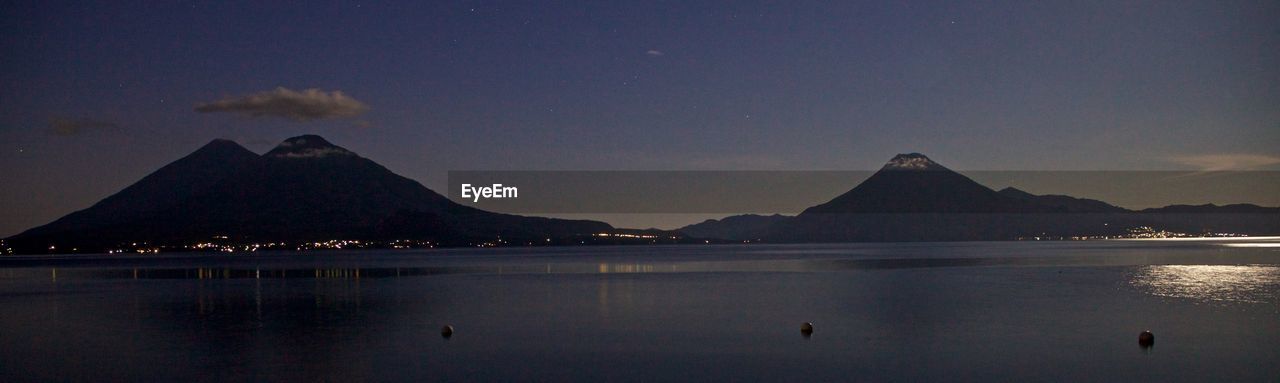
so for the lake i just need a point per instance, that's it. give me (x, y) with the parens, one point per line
(972, 311)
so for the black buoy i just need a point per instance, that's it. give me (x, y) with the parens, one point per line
(447, 331)
(1146, 339)
(806, 328)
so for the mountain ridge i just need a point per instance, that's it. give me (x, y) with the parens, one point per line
(305, 189)
(308, 189)
(913, 198)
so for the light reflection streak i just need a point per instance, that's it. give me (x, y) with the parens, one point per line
(625, 268)
(1262, 244)
(1228, 283)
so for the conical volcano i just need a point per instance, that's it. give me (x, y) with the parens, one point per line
(158, 191)
(912, 183)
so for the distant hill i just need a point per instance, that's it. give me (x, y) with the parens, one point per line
(1062, 204)
(1240, 208)
(737, 228)
(305, 189)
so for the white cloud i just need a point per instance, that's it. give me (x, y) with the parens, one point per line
(1215, 162)
(654, 52)
(307, 105)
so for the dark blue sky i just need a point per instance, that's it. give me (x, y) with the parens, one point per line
(95, 96)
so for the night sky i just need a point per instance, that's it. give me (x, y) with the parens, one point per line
(95, 96)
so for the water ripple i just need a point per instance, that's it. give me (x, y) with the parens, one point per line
(1227, 283)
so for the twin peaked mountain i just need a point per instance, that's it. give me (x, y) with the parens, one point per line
(305, 189)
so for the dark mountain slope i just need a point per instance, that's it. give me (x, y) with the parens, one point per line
(1062, 204)
(159, 190)
(305, 189)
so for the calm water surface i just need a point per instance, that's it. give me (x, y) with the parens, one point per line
(1010, 311)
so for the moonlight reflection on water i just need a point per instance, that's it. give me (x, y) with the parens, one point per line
(912, 311)
(1230, 283)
